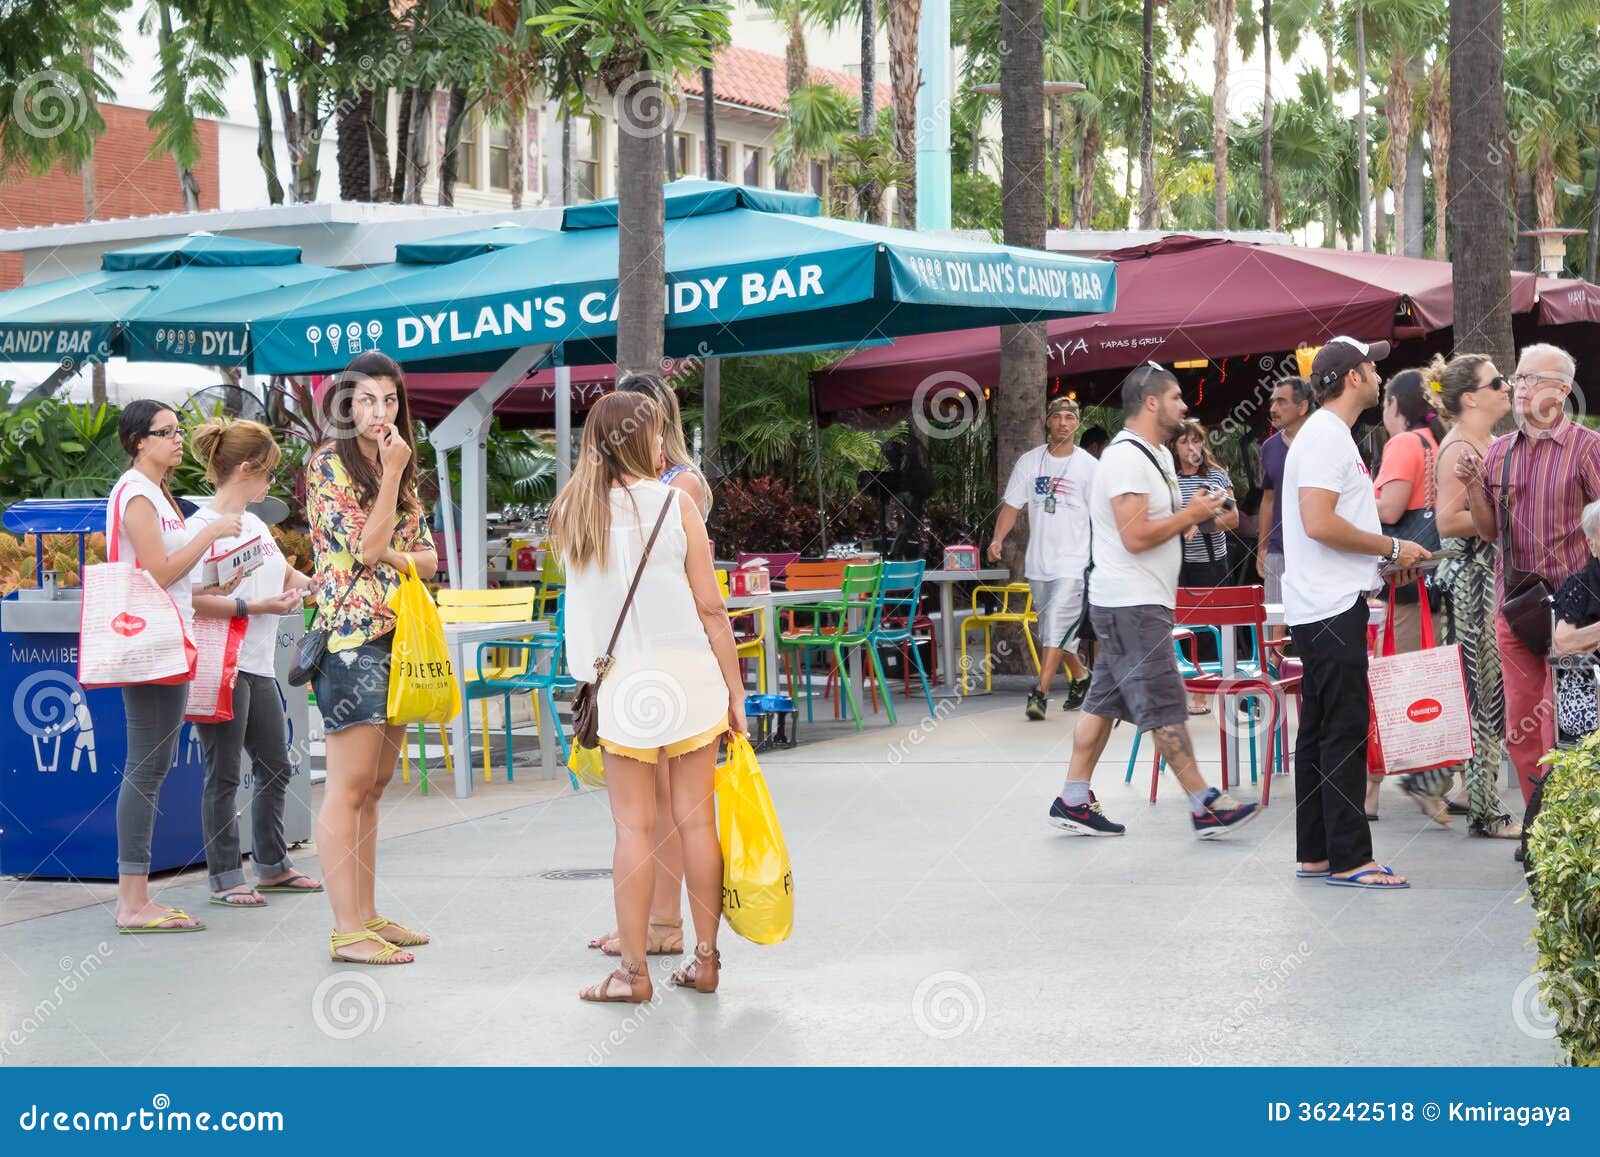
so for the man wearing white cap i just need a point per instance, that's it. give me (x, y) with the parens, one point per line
(1332, 550)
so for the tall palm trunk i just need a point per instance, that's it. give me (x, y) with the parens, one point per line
(450, 164)
(904, 77)
(1269, 186)
(402, 146)
(1481, 271)
(1147, 139)
(1544, 183)
(91, 200)
(1363, 178)
(1055, 161)
(708, 86)
(1439, 155)
(1223, 13)
(355, 150)
(1022, 347)
(1088, 160)
(265, 152)
(866, 196)
(797, 71)
(641, 267)
(517, 151)
(419, 142)
(1397, 111)
(381, 179)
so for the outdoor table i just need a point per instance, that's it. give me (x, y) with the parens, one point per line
(463, 640)
(771, 601)
(948, 643)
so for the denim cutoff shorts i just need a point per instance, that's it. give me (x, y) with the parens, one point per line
(352, 687)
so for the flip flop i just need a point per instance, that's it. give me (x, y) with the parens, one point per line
(250, 899)
(1201, 711)
(288, 886)
(1372, 818)
(155, 926)
(1359, 880)
(1318, 874)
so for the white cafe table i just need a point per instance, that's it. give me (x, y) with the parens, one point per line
(946, 580)
(770, 603)
(464, 640)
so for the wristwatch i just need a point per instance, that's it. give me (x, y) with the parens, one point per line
(1394, 551)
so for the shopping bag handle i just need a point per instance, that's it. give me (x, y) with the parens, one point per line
(1386, 639)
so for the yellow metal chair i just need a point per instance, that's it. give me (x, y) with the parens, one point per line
(552, 581)
(1016, 606)
(506, 605)
(752, 644)
(422, 756)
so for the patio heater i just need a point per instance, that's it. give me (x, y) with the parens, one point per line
(1552, 247)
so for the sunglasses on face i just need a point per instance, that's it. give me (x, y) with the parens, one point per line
(1495, 383)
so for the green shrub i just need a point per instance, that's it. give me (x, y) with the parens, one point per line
(1564, 859)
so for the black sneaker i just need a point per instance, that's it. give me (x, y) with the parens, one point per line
(1037, 705)
(1076, 694)
(1223, 813)
(1086, 820)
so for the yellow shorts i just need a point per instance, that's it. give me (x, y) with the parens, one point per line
(652, 755)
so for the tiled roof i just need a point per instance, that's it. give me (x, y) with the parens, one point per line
(760, 80)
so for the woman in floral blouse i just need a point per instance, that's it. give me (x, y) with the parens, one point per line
(367, 526)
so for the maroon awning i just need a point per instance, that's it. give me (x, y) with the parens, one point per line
(1186, 299)
(1565, 301)
(525, 404)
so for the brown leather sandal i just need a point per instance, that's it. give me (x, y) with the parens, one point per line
(635, 976)
(663, 943)
(702, 972)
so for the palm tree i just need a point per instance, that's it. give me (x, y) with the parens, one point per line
(1147, 100)
(903, 17)
(1481, 271)
(678, 35)
(1405, 30)
(1439, 150)
(795, 15)
(1361, 124)
(821, 118)
(1222, 14)
(1022, 347)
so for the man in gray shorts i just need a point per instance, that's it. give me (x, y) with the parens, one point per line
(1139, 522)
(1052, 482)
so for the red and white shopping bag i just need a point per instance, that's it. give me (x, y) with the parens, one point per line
(216, 670)
(130, 631)
(1420, 718)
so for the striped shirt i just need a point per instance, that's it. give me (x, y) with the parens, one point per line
(1201, 546)
(1554, 475)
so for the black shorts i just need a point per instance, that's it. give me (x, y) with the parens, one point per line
(352, 687)
(1136, 674)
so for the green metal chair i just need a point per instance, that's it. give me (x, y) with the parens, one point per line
(858, 596)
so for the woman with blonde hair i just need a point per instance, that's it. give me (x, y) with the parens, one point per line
(671, 685)
(676, 469)
(240, 457)
(367, 527)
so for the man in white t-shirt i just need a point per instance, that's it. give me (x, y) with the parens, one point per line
(1139, 520)
(1053, 481)
(1332, 551)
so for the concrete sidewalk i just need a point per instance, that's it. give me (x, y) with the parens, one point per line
(939, 921)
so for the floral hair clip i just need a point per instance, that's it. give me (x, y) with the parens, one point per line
(1436, 386)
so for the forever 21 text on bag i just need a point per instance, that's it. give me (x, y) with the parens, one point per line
(757, 881)
(422, 680)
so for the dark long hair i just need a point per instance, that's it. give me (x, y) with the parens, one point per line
(337, 404)
(134, 427)
(1409, 389)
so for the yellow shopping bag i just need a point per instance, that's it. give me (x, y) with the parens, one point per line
(586, 766)
(422, 680)
(757, 882)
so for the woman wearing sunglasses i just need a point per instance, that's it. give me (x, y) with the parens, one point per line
(148, 527)
(1475, 396)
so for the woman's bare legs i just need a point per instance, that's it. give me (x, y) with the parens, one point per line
(666, 906)
(388, 758)
(694, 811)
(347, 826)
(631, 786)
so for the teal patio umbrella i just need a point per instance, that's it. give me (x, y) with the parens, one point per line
(86, 317)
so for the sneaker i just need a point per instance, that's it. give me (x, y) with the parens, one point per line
(1037, 705)
(1076, 694)
(1222, 814)
(1087, 820)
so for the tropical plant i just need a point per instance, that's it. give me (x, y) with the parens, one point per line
(864, 169)
(1564, 868)
(635, 48)
(54, 59)
(904, 77)
(821, 118)
(53, 449)
(796, 16)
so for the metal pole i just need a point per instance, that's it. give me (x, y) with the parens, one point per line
(563, 425)
(933, 116)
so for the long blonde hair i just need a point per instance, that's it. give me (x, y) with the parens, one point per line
(673, 447)
(619, 440)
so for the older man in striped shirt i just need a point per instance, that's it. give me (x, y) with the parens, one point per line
(1554, 472)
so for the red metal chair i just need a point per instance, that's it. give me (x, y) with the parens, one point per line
(1227, 608)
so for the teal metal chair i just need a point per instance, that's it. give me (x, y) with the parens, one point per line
(858, 595)
(542, 684)
(899, 595)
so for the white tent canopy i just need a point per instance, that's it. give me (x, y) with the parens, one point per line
(170, 382)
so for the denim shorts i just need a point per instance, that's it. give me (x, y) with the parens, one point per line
(352, 687)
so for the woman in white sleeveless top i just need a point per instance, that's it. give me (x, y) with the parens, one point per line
(676, 468)
(673, 689)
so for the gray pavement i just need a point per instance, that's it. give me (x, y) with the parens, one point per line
(939, 921)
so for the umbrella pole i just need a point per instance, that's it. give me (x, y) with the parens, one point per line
(452, 549)
(563, 425)
(467, 428)
(816, 445)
